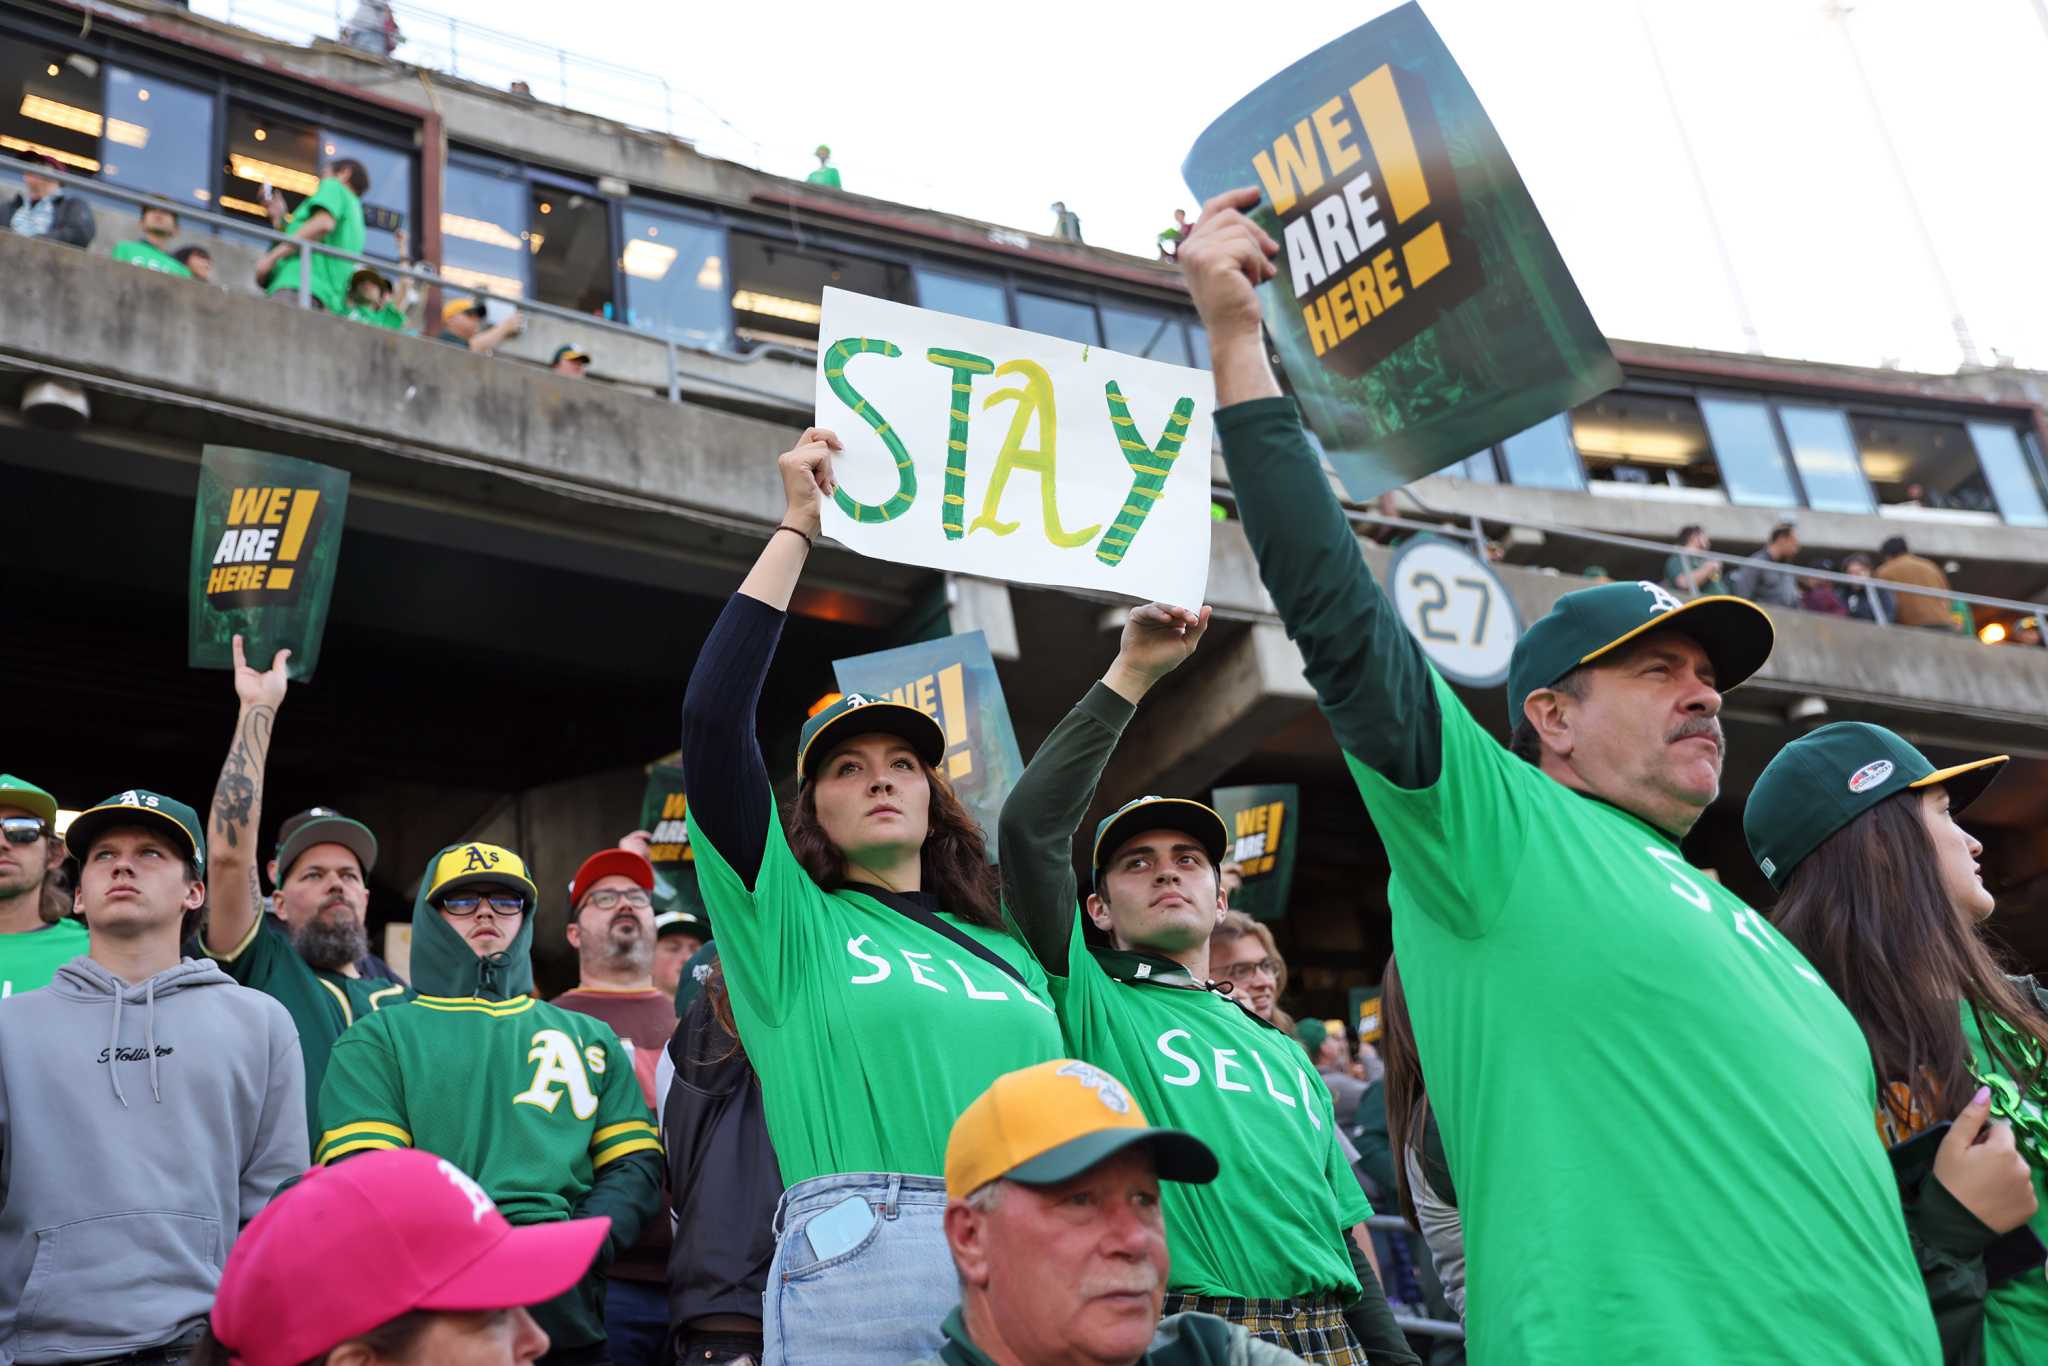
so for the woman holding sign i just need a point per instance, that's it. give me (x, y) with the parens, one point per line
(1881, 892)
(869, 971)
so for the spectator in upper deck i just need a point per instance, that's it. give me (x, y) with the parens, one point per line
(47, 209)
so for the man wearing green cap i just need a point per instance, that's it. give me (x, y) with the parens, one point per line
(1277, 1243)
(307, 955)
(1646, 1095)
(33, 942)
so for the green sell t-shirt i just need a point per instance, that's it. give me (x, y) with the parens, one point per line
(384, 316)
(30, 959)
(330, 273)
(146, 255)
(870, 1032)
(321, 1003)
(1271, 1225)
(2016, 1313)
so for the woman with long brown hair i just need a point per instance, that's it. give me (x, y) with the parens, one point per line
(1422, 1174)
(1880, 889)
(866, 959)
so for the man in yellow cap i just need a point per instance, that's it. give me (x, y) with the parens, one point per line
(462, 324)
(1052, 1214)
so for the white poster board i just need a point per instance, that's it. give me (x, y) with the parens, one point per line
(984, 450)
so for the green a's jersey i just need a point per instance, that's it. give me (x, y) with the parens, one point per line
(2016, 1313)
(321, 1003)
(530, 1099)
(870, 1032)
(330, 273)
(1271, 1225)
(149, 257)
(30, 959)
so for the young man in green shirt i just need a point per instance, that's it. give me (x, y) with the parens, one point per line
(1277, 1243)
(369, 300)
(1658, 1116)
(306, 955)
(32, 946)
(152, 251)
(331, 215)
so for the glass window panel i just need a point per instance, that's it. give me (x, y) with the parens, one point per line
(2010, 473)
(158, 138)
(1542, 456)
(777, 289)
(1198, 342)
(1138, 333)
(1920, 463)
(1825, 454)
(1645, 439)
(267, 149)
(571, 245)
(1478, 468)
(387, 208)
(1752, 460)
(962, 295)
(49, 105)
(484, 239)
(1057, 318)
(675, 278)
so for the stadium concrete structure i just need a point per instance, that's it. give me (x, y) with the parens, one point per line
(531, 561)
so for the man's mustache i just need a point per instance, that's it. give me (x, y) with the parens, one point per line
(1709, 726)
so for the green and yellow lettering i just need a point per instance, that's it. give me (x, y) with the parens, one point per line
(898, 503)
(1149, 467)
(1033, 398)
(962, 366)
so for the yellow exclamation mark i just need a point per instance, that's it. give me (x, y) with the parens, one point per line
(953, 702)
(1278, 810)
(296, 524)
(1386, 127)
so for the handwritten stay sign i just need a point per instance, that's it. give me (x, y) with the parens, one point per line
(984, 450)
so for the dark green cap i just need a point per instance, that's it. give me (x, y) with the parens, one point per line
(1140, 814)
(1582, 626)
(323, 825)
(137, 806)
(1821, 782)
(856, 714)
(26, 795)
(1313, 1035)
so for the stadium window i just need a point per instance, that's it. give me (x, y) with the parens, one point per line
(777, 289)
(158, 138)
(962, 295)
(1198, 343)
(1478, 468)
(1824, 453)
(1751, 456)
(675, 277)
(268, 149)
(2014, 479)
(1919, 463)
(1653, 443)
(1135, 332)
(485, 243)
(50, 106)
(1542, 456)
(1057, 317)
(570, 242)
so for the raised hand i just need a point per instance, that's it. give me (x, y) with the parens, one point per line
(1224, 260)
(1157, 639)
(807, 480)
(260, 688)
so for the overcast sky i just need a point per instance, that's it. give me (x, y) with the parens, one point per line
(995, 110)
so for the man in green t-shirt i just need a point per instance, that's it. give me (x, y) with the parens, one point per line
(308, 954)
(1689, 575)
(152, 251)
(32, 945)
(827, 174)
(1277, 1243)
(331, 215)
(1657, 1115)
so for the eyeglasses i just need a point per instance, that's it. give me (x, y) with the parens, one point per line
(23, 829)
(1244, 972)
(460, 905)
(606, 899)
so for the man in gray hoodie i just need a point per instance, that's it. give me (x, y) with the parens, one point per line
(148, 1109)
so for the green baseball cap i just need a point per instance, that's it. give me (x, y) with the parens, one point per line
(26, 795)
(1583, 626)
(682, 922)
(1313, 1034)
(323, 825)
(1821, 782)
(1140, 814)
(858, 714)
(138, 806)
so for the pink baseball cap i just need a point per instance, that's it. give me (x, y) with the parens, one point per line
(354, 1246)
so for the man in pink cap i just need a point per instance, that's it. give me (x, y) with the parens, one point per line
(398, 1256)
(613, 933)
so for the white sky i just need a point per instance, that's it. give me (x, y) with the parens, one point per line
(996, 110)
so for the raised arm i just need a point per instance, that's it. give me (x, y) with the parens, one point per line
(234, 887)
(723, 771)
(1045, 808)
(1368, 673)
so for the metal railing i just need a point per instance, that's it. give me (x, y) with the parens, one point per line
(1396, 1226)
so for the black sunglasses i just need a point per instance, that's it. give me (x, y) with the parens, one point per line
(23, 829)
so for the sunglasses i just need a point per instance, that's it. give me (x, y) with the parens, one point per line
(461, 905)
(23, 829)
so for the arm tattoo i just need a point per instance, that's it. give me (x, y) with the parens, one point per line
(241, 776)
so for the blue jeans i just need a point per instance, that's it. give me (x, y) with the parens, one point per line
(880, 1302)
(636, 1322)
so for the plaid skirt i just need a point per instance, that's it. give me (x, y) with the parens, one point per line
(1312, 1328)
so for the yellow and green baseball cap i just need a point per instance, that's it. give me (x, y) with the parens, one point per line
(859, 714)
(1140, 814)
(139, 806)
(30, 798)
(471, 863)
(1583, 626)
(1046, 1124)
(1821, 782)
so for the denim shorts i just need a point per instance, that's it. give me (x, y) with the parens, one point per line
(879, 1302)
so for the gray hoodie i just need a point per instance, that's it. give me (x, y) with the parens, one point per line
(140, 1128)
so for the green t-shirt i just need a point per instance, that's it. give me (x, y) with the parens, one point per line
(146, 255)
(1575, 984)
(2016, 1313)
(870, 1033)
(383, 316)
(1271, 1225)
(30, 959)
(330, 273)
(321, 1003)
(824, 175)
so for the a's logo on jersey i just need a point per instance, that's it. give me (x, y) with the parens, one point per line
(480, 1203)
(1661, 600)
(558, 1069)
(480, 859)
(1107, 1089)
(1870, 775)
